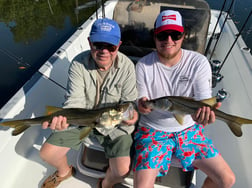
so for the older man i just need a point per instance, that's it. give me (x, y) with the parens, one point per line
(97, 77)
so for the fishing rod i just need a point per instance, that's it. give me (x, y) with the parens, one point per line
(96, 12)
(103, 9)
(213, 33)
(237, 36)
(222, 27)
(18, 60)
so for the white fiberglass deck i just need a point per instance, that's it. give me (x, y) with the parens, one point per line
(237, 72)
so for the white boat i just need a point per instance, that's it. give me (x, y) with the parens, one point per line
(21, 165)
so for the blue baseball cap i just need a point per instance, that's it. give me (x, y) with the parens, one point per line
(105, 30)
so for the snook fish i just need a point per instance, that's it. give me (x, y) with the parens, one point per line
(107, 117)
(180, 106)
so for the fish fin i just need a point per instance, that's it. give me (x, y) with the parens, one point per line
(179, 118)
(19, 129)
(18, 126)
(235, 128)
(51, 109)
(211, 101)
(236, 124)
(84, 132)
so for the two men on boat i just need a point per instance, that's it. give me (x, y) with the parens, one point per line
(104, 75)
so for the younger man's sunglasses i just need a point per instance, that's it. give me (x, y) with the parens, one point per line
(175, 35)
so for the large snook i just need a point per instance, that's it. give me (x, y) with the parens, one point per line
(180, 106)
(107, 117)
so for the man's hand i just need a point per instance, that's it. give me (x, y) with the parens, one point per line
(133, 120)
(58, 123)
(142, 107)
(205, 115)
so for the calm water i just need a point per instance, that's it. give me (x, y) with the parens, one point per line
(32, 30)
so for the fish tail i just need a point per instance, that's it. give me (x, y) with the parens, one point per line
(85, 132)
(19, 129)
(235, 128)
(19, 126)
(236, 124)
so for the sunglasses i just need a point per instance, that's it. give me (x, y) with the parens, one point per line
(102, 46)
(175, 35)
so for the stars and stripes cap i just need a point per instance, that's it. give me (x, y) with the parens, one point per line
(168, 20)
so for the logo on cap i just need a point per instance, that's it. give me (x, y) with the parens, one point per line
(106, 27)
(171, 17)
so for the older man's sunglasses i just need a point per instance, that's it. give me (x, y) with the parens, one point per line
(175, 35)
(102, 46)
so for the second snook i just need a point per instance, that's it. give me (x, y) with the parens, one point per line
(180, 106)
(107, 117)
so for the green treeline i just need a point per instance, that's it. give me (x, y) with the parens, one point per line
(28, 19)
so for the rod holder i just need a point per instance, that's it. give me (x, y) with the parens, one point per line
(221, 95)
(215, 65)
(216, 78)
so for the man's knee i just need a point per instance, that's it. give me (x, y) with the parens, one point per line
(228, 180)
(145, 178)
(49, 151)
(45, 151)
(121, 173)
(120, 168)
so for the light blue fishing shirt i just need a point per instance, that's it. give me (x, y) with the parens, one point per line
(118, 86)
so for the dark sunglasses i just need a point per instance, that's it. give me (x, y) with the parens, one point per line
(175, 35)
(102, 46)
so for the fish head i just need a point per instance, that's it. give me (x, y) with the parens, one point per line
(123, 107)
(159, 104)
(128, 112)
(106, 120)
(114, 116)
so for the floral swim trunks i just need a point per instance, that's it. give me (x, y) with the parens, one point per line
(154, 148)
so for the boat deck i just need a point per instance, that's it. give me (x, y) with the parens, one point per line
(237, 79)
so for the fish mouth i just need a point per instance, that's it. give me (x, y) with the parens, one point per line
(129, 112)
(116, 115)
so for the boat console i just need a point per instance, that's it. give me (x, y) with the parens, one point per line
(137, 24)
